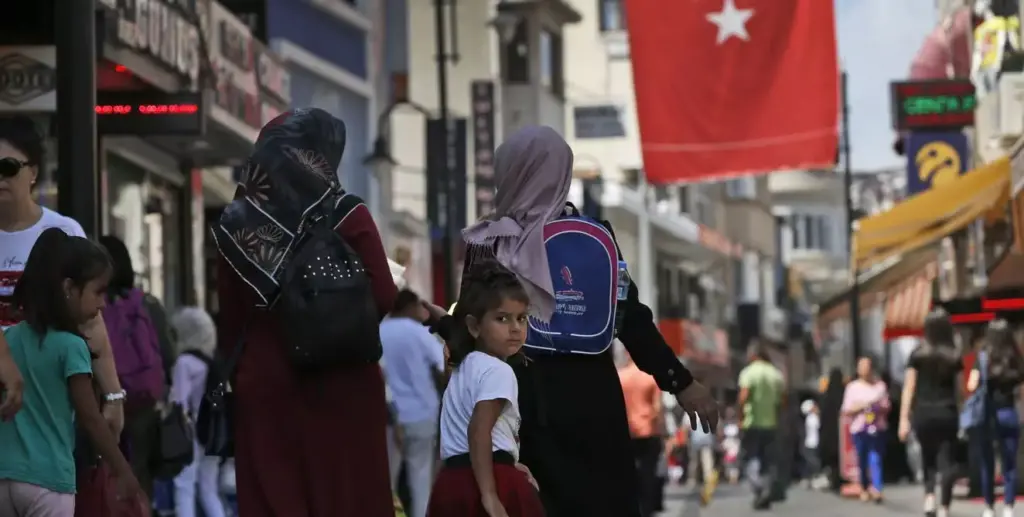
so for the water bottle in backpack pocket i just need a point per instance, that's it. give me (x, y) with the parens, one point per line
(136, 349)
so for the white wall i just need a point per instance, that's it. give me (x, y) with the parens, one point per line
(478, 60)
(591, 78)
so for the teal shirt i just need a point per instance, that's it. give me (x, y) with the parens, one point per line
(37, 447)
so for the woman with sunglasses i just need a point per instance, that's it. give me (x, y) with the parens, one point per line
(22, 220)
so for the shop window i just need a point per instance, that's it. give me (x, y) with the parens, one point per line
(517, 56)
(742, 188)
(612, 15)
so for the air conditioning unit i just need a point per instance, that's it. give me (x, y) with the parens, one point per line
(1011, 104)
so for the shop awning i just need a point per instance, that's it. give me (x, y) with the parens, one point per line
(907, 304)
(931, 215)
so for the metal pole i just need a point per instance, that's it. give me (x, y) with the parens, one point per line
(446, 194)
(848, 171)
(77, 178)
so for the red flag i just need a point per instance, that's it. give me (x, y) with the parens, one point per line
(734, 87)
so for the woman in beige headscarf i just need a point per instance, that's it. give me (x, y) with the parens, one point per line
(573, 433)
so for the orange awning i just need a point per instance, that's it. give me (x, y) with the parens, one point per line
(908, 304)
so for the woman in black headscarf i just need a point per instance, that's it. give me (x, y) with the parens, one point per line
(310, 447)
(829, 444)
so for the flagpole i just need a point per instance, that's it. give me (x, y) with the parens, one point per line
(854, 293)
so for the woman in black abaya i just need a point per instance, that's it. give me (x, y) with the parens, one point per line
(828, 447)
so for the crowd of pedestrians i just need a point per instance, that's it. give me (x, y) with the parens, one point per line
(490, 390)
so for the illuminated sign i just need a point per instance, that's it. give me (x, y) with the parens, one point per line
(940, 104)
(149, 113)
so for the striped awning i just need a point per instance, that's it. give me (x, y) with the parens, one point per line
(907, 305)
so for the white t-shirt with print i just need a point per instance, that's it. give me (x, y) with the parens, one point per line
(478, 378)
(14, 250)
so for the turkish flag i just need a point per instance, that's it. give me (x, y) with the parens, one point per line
(734, 87)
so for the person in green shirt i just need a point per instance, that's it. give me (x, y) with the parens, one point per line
(762, 392)
(62, 287)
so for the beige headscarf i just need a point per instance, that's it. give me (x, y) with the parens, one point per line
(533, 171)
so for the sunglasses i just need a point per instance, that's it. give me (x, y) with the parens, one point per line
(10, 167)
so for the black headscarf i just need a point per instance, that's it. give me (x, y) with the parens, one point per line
(831, 403)
(290, 178)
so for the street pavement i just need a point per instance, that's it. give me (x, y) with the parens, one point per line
(734, 500)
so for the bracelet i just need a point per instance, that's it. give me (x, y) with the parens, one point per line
(117, 396)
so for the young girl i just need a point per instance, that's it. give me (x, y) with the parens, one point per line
(197, 341)
(480, 409)
(61, 288)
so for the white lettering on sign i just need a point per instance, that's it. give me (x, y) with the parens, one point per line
(162, 32)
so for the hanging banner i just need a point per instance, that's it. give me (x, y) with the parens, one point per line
(712, 124)
(993, 37)
(482, 99)
(934, 158)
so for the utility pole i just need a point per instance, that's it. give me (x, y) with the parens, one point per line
(854, 293)
(77, 177)
(447, 197)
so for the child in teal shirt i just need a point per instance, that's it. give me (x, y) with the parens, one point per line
(62, 287)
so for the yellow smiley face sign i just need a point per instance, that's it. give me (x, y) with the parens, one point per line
(937, 163)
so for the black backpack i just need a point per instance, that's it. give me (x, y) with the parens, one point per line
(326, 308)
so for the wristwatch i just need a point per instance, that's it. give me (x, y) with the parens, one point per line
(117, 396)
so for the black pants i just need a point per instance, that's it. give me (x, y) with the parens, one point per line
(142, 433)
(760, 459)
(939, 444)
(647, 452)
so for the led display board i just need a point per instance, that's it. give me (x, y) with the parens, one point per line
(939, 104)
(149, 113)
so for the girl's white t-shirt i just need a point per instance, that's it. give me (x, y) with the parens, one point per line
(14, 250)
(478, 378)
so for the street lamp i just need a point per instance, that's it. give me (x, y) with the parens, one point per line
(506, 23)
(380, 160)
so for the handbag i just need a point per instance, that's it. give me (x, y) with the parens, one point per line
(215, 422)
(176, 448)
(973, 413)
(96, 496)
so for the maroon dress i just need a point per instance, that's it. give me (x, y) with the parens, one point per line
(308, 448)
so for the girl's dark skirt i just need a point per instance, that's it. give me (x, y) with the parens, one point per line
(456, 494)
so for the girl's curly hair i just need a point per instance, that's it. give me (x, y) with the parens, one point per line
(484, 287)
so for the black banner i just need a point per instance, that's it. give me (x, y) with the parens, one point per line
(444, 158)
(482, 99)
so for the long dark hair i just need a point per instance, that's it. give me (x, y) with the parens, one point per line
(484, 288)
(939, 346)
(1005, 364)
(123, 279)
(55, 258)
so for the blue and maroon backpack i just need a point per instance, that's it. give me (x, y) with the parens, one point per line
(584, 265)
(136, 348)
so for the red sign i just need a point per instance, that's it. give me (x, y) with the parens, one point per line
(149, 113)
(734, 87)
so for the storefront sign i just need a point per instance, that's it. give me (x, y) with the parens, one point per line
(939, 104)
(166, 30)
(252, 83)
(149, 113)
(28, 79)
(934, 159)
(601, 121)
(482, 97)
(445, 157)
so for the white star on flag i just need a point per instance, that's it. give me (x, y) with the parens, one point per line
(731, 22)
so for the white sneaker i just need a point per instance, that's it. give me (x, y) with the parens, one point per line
(929, 505)
(988, 512)
(1007, 511)
(942, 512)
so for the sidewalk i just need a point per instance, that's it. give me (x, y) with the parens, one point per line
(731, 501)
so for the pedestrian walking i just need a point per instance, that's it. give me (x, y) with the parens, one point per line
(645, 417)
(310, 413)
(198, 483)
(413, 365)
(574, 380)
(140, 340)
(831, 403)
(996, 376)
(761, 397)
(866, 400)
(61, 288)
(812, 438)
(480, 414)
(929, 409)
(702, 460)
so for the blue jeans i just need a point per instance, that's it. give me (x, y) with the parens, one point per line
(1004, 429)
(870, 450)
